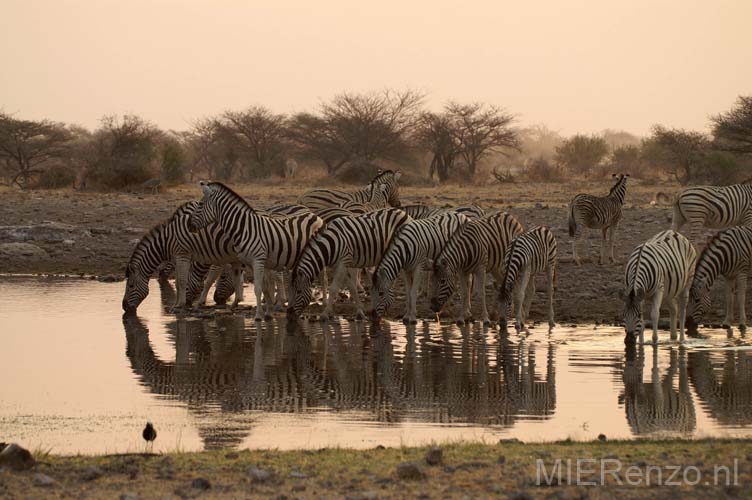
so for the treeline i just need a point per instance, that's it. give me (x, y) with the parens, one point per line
(351, 135)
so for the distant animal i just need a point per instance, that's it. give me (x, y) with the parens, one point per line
(475, 249)
(323, 198)
(417, 242)
(660, 270)
(152, 185)
(260, 241)
(716, 207)
(595, 212)
(149, 433)
(291, 168)
(530, 253)
(728, 254)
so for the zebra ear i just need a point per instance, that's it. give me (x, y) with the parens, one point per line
(397, 175)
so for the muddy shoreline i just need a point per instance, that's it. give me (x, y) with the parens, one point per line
(92, 235)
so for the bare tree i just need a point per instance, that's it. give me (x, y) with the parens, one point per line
(434, 132)
(481, 129)
(733, 129)
(259, 133)
(26, 146)
(317, 139)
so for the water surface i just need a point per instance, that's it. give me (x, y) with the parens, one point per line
(76, 377)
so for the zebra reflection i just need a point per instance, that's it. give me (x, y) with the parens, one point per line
(723, 382)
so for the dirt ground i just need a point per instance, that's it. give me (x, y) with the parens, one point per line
(678, 469)
(103, 229)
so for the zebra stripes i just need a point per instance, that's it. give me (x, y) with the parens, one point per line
(716, 207)
(323, 198)
(476, 248)
(419, 211)
(258, 240)
(411, 247)
(348, 244)
(595, 212)
(530, 253)
(660, 269)
(728, 254)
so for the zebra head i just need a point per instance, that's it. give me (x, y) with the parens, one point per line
(206, 210)
(136, 288)
(379, 196)
(389, 178)
(442, 283)
(699, 303)
(300, 289)
(505, 302)
(619, 189)
(381, 293)
(633, 313)
(225, 287)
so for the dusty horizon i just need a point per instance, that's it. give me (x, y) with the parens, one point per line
(580, 67)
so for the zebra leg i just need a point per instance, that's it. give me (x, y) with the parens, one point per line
(182, 273)
(214, 273)
(280, 297)
(604, 234)
(683, 299)
(480, 289)
(672, 317)
(412, 282)
(239, 277)
(655, 313)
(520, 298)
(741, 295)
(551, 274)
(258, 288)
(339, 271)
(324, 284)
(575, 238)
(354, 275)
(611, 231)
(465, 291)
(695, 228)
(730, 292)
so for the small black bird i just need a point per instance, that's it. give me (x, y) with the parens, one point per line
(149, 434)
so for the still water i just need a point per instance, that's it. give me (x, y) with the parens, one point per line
(76, 377)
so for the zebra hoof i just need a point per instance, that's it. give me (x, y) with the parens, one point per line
(460, 322)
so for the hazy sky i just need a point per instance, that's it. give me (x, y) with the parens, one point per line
(575, 65)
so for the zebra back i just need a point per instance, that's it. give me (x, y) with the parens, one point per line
(323, 198)
(666, 259)
(716, 206)
(598, 211)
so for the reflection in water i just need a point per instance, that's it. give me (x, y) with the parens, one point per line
(723, 381)
(659, 405)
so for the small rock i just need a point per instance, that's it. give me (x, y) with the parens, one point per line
(601, 437)
(409, 470)
(91, 473)
(69, 242)
(129, 496)
(42, 480)
(201, 483)
(434, 456)
(16, 457)
(298, 487)
(259, 475)
(663, 455)
(449, 469)
(297, 475)
(108, 278)
(23, 250)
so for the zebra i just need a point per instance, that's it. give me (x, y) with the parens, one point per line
(322, 198)
(595, 212)
(259, 241)
(291, 168)
(170, 240)
(348, 244)
(475, 249)
(376, 200)
(411, 247)
(660, 269)
(530, 253)
(420, 211)
(715, 207)
(727, 254)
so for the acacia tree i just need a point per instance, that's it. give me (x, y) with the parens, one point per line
(26, 146)
(481, 129)
(434, 132)
(733, 130)
(257, 132)
(315, 138)
(581, 154)
(683, 151)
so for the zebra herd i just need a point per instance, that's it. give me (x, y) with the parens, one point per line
(340, 234)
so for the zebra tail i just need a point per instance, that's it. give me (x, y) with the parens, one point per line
(572, 223)
(678, 219)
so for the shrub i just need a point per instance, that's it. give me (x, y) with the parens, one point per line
(540, 170)
(55, 177)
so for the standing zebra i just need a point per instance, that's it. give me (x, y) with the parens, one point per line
(376, 200)
(172, 240)
(348, 244)
(323, 198)
(595, 212)
(661, 268)
(410, 249)
(419, 211)
(530, 253)
(728, 254)
(475, 249)
(259, 241)
(716, 207)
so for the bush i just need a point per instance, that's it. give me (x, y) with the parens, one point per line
(55, 177)
(721, 168)
(358, 173)
(540, 170)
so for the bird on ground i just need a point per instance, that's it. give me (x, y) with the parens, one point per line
(149, 433)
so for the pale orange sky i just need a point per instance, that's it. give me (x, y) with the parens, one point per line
(578, 66)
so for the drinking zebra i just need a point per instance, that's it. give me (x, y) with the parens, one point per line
(420, 211)
(410, 249)
(348, 244)
(259, 241)
(322, 198)
(660, 269)
(595, 212)
(172, 240)
(476, 248)
(530, 253)
(728, 254)
(716, 207)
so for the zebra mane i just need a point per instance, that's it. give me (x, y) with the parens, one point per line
(510, 250)
(619, 182)
(228, 190)
(636, 268)
(381, 175)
